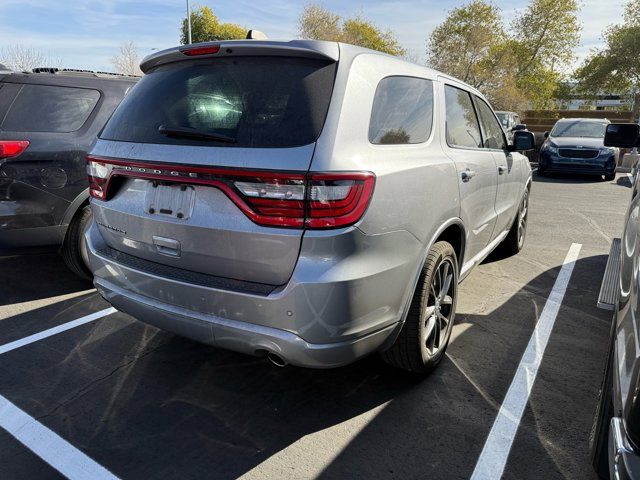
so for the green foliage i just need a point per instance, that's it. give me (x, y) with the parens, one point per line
(206, 27)
(511, 66)
(468, 43)
(616, 67)
(319, 23)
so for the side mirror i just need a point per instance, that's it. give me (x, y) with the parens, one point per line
(518, 127)
(522, 141)
(625, 135)
(546, 134)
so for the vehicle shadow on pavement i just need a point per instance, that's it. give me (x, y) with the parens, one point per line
(568, 178)
(148, 404)
(32, 277)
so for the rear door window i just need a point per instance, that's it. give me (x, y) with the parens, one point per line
(48, 108)
(402, 111)
(491, 129)
(462, 124)
(256, 101)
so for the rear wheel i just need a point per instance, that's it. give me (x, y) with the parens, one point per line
(610, 176)
(425, 334)
(514, 240)
(74, 248)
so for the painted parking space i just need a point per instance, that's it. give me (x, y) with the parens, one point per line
(147, 404)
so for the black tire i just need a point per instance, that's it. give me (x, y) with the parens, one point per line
(410, 351)
(610, 176)
(514, 241)
(74, 248)
(542, 172)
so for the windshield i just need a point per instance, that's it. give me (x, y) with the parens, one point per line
(251, 101)
(579, 129)
(504, 119)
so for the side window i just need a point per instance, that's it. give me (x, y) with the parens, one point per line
(45, 108)
(493, 134)
(402, 111)
(462, 125)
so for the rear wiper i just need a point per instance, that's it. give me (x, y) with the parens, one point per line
(187, 132)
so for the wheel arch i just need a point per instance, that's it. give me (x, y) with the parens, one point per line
(80, 201)
(451, 231)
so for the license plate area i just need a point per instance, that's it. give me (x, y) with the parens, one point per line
(170, 200)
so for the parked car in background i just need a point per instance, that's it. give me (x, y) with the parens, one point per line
(510, 122)
(48, 120)
(307, 201)
(616, 443)
(576, 145)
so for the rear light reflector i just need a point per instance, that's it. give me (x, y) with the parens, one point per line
(210, 50)
(278, 199)
(12, 148)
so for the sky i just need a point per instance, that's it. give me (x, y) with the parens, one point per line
(87, 33)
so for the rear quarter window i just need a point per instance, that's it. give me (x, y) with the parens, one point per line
(257, 101)
(402, 111)
(48, 108)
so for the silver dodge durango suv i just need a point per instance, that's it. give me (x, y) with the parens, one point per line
(308, 201)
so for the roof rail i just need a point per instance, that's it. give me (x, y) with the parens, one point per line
(62, 71)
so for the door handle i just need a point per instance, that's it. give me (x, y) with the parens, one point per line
(467, 175)
(502, 169)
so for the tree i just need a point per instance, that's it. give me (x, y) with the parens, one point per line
(468, 39)
(616, 67)
(472, 45)
(514, 66)
(206, 27)
(127, 61)
(544, 36)
(23, 58)
(319, 23)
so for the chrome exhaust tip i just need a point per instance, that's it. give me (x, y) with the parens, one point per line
(276, 359)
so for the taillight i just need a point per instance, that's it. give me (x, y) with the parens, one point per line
(278, 199)
(99, 173)
(209, 50)
(12, 148)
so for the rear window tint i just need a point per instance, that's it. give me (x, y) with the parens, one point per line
(402, 111)
(45, 108)
(258, 101)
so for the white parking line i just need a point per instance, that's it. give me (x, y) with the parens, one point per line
(7, 347)
(46, 444)
(49, 446)
(496, 449)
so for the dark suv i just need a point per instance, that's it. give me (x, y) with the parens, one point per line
(48, 121)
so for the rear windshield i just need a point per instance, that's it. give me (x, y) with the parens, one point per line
(256, 101)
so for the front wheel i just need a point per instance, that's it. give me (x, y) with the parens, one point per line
(424, 337)
(609, 176)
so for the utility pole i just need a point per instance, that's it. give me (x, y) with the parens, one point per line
(189, 21)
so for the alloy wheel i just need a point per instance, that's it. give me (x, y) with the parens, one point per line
(439, 310)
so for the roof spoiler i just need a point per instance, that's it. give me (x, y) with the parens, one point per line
(295, 48)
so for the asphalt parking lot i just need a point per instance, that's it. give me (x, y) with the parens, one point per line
(143, 403)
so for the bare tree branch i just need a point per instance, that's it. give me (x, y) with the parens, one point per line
(127, 61)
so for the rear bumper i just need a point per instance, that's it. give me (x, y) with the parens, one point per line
(331, 312)
(239, 336)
